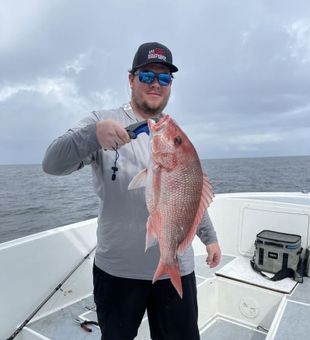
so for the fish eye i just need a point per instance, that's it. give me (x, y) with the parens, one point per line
(177, 140)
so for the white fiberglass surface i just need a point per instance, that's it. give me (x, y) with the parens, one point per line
(291, 200)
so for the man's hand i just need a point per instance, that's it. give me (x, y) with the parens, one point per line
(214, 254)
(111, 134)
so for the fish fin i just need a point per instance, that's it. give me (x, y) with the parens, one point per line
(205, 200)
(139, 180)
(207, 193)
(151, 237)
(173, 271)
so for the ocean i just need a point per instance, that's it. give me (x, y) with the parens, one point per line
(32, 201)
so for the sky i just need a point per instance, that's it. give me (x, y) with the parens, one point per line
(242, 90)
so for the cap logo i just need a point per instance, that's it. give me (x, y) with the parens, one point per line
(157, 53)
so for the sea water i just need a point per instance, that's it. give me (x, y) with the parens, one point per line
(32, 201)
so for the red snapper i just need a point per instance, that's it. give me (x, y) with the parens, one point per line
(177, 195)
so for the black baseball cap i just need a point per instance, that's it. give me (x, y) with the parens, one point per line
(153, 52)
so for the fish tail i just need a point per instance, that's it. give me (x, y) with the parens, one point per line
(173, 271)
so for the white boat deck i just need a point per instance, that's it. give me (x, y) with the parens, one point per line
(62, 325)
(233, 303)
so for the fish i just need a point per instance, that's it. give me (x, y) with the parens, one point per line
(177, 194)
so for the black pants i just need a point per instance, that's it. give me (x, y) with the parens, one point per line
(121, 304)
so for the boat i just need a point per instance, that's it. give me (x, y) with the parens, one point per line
(46, 278)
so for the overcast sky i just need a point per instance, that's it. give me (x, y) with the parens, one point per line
(242, 90)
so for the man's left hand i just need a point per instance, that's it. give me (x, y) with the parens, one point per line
(214, 254)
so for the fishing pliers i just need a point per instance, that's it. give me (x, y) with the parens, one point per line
(84, 324)
(135, 129)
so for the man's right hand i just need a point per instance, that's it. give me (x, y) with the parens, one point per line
(111, 135)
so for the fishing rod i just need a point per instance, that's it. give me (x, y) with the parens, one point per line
(28, 319)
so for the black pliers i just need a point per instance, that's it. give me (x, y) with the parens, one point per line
(84, 324)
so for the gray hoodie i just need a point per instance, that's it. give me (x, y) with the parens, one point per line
(122, 212)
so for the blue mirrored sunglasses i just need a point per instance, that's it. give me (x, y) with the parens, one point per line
(147, 77)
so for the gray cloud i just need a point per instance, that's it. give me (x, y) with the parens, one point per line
(242, 89)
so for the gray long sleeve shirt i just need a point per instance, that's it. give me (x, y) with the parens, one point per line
(122, 212)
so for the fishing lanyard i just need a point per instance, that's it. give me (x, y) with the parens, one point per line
(114, 167)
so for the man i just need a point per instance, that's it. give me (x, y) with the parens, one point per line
(123, 271)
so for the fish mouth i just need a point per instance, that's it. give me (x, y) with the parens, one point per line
(160, 125)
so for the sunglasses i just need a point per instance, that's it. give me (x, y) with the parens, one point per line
(147, 77)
